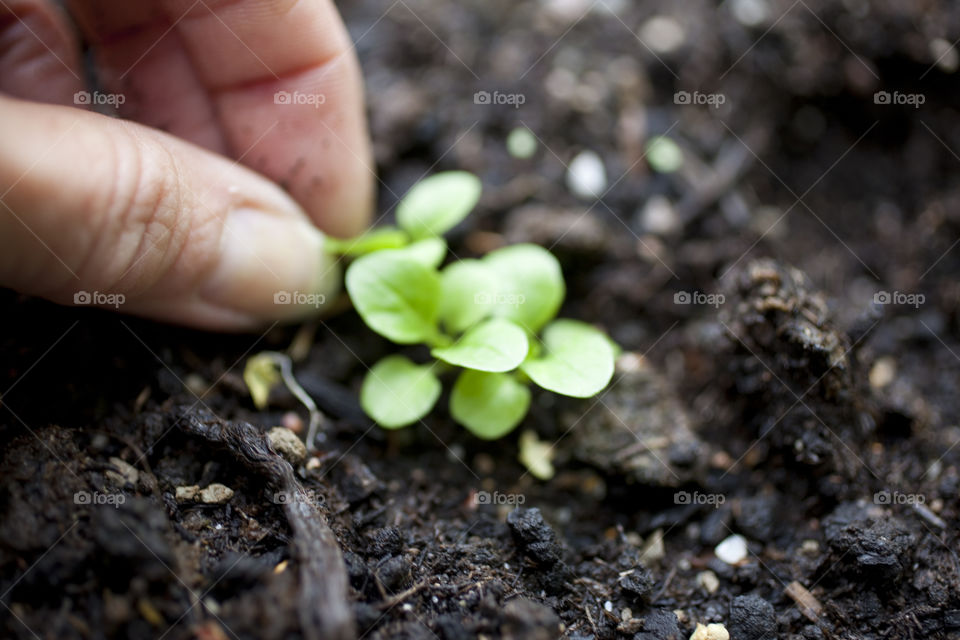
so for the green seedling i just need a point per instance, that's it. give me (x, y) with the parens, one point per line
(489, 320)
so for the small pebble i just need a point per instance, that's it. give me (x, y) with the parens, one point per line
(733, 550)
(658, 216)
(654, 549)
(882, 372)
(810, 547)
(586, 176)
(945, 54)
(710, 632)
(663, 34)
(216, 493)
(608, 606)
(292, 420)
(187, 493)
(287, 444)
(750, 13)
(709, 581)
(125, 473)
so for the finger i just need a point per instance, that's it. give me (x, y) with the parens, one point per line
(240, 56)
(39, 58)
(181, 233)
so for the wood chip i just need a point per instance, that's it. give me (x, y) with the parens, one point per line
(809, 606)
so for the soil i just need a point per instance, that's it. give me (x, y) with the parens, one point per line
(789, 403)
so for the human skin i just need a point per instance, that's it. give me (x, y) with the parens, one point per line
(177, 205)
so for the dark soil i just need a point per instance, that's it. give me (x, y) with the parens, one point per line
(796, 412)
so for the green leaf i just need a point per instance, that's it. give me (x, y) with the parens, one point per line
(373, 240)
(437, 204)
(494, 345)
(530, 285)
(396, 295)
(430, 251)
(467, 291)
(397, 392)
(260, 375)
(578, 360)
(490, 405)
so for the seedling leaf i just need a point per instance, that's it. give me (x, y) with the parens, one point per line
(536, 455)
(530, 285)
(397, 392)
(261, 375)
(578, 360)
(493, 345)
(396, 295)
(430, 251)
(467, 291)
(374, 240)
(490, 405)
(438, 203)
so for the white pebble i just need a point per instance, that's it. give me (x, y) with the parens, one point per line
(709, 581)
(216, 493)
(663, 34)
(733, 550)
(659, 216)
(750, 13)
(710, 632)
(608, 606)
(945, 54)
(587, 177)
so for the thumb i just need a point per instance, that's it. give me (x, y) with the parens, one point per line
(95, 210)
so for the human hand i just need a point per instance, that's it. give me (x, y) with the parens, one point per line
(187, 223)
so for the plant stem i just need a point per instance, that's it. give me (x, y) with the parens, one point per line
(286, 372)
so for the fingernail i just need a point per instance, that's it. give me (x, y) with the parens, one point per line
(272, 267)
